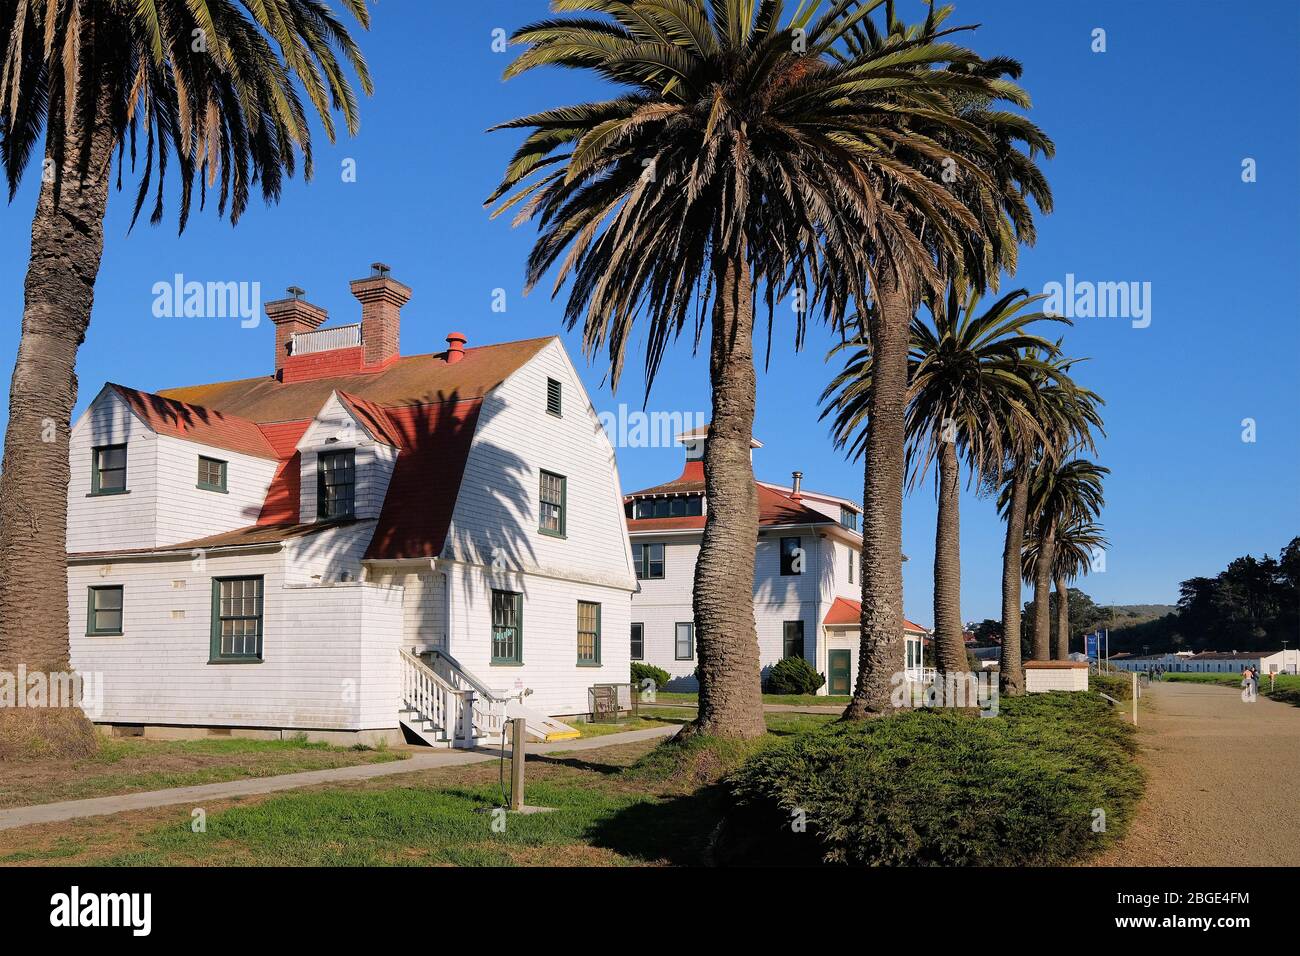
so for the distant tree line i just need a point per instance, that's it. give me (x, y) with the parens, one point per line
(1253, 604)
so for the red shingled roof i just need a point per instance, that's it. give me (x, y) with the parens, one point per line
(420, 405)
(774, 507)
(845, 611)
(167, 416)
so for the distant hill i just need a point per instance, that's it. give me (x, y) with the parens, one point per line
(1131, 615)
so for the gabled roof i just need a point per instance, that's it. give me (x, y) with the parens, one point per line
(774, 507)
(411, 380)
(167, 416)
(845, 612)
(421, 405)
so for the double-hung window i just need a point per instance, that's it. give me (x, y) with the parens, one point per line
(793, 639)
(648, 559)
(638, 642)
(552, 494)
(212, 474)
(336, 484)
(104, 610)
(792, 556)
(588, 633)
(684, 641)
(108, 471)
(507, 627)
(236, 619)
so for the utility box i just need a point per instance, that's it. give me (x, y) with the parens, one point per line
(609, 702)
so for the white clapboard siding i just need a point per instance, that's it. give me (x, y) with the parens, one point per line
(497, 509)
(330, 556)
(424, 623)
(335, 429)
(550, 636)
(186, 511)
(112, 522)
(329, 653)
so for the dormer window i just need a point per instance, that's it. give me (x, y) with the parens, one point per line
(335, 484)
(212, 474)
(678, 506)
(554, 397)
(108, 472)
(848, 518)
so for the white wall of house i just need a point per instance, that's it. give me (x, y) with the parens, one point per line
(334, 429)
(550, 635)
(186, 511)
(329, 654)
(496, 519)
(112, 522)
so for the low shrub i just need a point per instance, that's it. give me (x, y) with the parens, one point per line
(793, 675)
(1119, 686)
(941, 788)
(642, 672)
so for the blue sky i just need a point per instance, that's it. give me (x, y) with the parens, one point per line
(1150, 135)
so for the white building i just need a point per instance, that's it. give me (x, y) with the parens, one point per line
(806, 577)
(358, 542)
(1215, 662)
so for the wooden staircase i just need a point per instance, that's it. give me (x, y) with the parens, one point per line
(446, 706)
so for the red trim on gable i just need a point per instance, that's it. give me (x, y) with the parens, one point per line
(283, 499)
(845, 611)
(373, 418)
(434, 442)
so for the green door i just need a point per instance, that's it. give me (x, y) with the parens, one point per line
(839, 664)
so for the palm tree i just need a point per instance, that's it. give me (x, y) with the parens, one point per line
(743, 158)
(1065, 414)
(1057, 495)
(198, 82)
(969, 373)
(1077, 541)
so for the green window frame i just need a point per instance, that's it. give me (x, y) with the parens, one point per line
(212, 474)
(684, 631)
(554, 398)
(638, 642)
(648, 560)
(108, 470)
(789, 548)
(104, 604)
(853, 557)
(336, 484)
(792, 639)
(588, 634)
(552, 497)
(507, 627)
(237, 617)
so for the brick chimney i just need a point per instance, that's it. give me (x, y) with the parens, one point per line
(382, 298)
(292, 316)
(456, 347)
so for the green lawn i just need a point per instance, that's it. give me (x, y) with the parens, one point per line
(796, 700)
(1287, 688)
(127, 765)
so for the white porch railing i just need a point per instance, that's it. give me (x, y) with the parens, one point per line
(324, 340)
(488, 707)
(439, 709)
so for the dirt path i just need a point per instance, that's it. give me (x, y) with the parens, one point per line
(1223, 781)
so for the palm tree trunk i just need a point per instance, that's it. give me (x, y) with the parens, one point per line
(1011, 676)
(67, 244)
(950, 649)
(1062, 620)
(731, 701)
(881, 656)
(1042, 593)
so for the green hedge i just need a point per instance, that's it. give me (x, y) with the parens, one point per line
(640, 672)
(941, 788)
(793, 675)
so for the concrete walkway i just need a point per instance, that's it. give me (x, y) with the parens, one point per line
(1223, 781)
(425, 759)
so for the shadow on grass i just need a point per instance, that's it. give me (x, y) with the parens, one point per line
(677, 829)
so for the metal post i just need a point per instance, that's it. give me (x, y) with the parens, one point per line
(517, 764)
(1135, 697)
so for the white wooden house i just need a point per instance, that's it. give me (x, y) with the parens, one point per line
(807, 587)
(358, 542)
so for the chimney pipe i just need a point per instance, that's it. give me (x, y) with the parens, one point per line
(455, 347)
(291, 317)
(381, 297)
(797, 490)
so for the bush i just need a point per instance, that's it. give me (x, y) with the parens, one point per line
(1119, 686)
(793, 675)
(942, 788)
(640, 672)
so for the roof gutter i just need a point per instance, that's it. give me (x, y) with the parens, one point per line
(100, 558)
